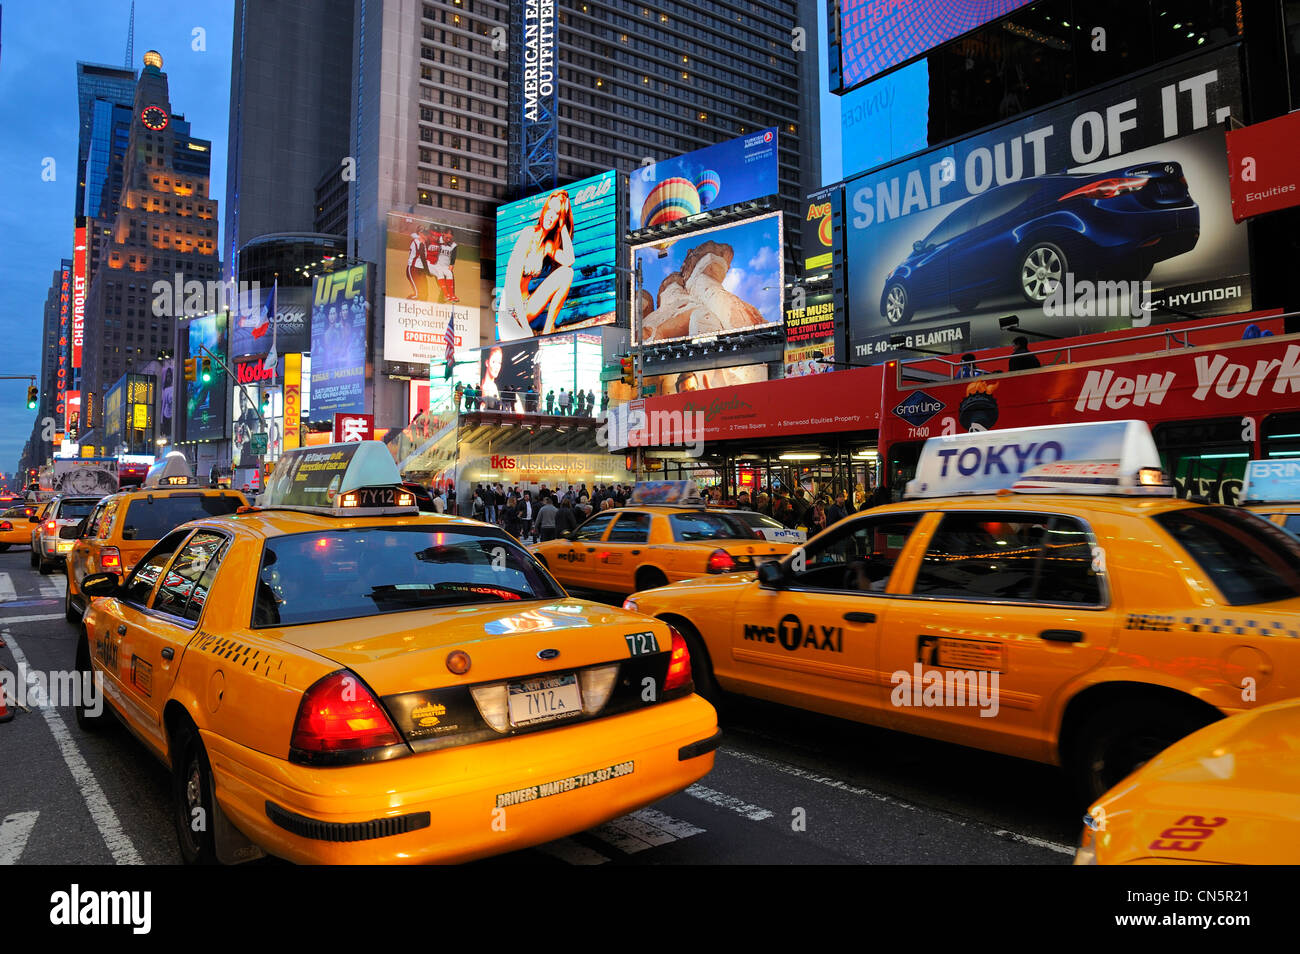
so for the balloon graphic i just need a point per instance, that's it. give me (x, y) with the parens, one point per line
(670, 200)
(708, 185)
(824, 230)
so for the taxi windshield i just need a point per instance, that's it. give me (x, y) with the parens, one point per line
(152, 517)
(710, 526)
(346, 574)
(1248, 558)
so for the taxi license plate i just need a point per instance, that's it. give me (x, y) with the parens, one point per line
(544, 700)
(65, 548)
(760, 560)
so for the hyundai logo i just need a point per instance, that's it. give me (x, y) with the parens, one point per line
(547, 653)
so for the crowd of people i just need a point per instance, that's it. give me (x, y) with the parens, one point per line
(543, 514)
(798, 509)
(567, 403)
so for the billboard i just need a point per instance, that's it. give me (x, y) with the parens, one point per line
(1265, 167)
(78, 294)
(251, 333)
(253, 380)
(431, 276)
(711, 282)
(679, 382)
(206, 417)
(510, 370)
(339, 325)
(63, 375)
(1092, 216)
(711, 178)
(556, 259)
(885, 119)
(877, 35)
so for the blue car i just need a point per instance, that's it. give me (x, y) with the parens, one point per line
(1023, 237)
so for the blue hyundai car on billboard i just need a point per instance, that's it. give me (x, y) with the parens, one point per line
(1021, 238)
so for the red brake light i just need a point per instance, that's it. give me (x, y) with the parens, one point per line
(6, 525)
(110, 559)
(339, 715)
(720, 561)
(679, 663)
(1106, 189)
(51, 525)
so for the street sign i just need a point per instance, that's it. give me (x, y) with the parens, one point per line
(257, 443)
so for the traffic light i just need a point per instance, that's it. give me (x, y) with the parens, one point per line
(628, 364)
(207, 369)
(266, 402)
(32, 395)
(191, 369)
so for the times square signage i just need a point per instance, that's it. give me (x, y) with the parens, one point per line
(253, 372)
(539, 57)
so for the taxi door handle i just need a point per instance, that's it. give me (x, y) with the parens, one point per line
(591, 549)
(635, 552)
(1062, 635)
(168, 653)
(859, 617)
(121, 630)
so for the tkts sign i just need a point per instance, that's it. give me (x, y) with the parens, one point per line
(353, 427)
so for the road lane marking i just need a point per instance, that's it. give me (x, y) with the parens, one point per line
(572, 852)
(7, 591)
(106, 820)
(842, 786)
(674, 826)
(729, 802)
(643, 829)
(10, 620)
(14, 832)
(49, 588)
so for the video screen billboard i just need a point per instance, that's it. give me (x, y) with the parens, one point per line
(885, 119)
(555, 259)
(710, 178)
(431, 276)
(251, 330)
(1085, 218)
(544, 367)
(206, 417)
(711, 282)
(339, 326)
(877, 35)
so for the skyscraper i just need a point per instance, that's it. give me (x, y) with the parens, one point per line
(99, 89)
(164, 225)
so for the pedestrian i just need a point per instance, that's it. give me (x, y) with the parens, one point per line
(837, 511)
(566, 519)
(439, 505)
(546, 516)
(566, 401)
(550, 401)
(1021, 359)
(967, 369)
(460, 393)
(591, 401)
(604, 401)
(477, 506)
(817, 520)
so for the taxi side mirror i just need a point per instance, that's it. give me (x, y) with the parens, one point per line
(567, 534)
(33, 519)
(772, 576)
(101, 584)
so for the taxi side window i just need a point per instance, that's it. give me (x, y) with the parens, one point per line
(190, 573)
(106, 520)
(1010, 556)
(594, 528)
(631, 528)
(92, 524)
(1292, 523)
(142, 579)
(858, 555)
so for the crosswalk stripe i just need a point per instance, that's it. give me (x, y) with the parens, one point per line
(729, 802)
(49, 588)
(674, 826)
(14, 832)
(572, 852)
(7, 591)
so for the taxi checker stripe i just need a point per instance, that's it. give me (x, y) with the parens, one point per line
(1239, 627)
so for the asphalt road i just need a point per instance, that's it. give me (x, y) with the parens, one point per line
(788, 787)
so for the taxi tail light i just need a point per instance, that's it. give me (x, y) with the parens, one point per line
(6, 525)
(339, 715)
(720, 561)
(679, 663)
(110, 559)
(596, 684)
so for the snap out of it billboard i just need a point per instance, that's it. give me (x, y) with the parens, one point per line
(1095, 215)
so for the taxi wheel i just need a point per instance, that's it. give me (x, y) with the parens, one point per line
(192, 798)
(86, 721)
(33, 558)
(647, 578)
(44, 566)
(1116, 741)
(701, 665)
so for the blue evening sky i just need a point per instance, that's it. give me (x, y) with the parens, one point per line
(42, 41)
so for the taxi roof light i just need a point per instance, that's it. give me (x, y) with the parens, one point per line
(172, 471)
(670, 493)
(338, 714)
(356, 478)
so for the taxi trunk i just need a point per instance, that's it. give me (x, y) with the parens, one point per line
(748, 554)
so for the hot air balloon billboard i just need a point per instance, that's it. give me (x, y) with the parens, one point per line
(706, 180)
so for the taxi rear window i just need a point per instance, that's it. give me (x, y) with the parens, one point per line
(1248, 558)
(153, 517)
(76, 509)
(710, 526)
(346, 574)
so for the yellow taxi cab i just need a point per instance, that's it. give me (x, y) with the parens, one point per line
(1228, 794)
(15, 526)
(123, 526)
(1272, 489)
(332, 676)
(663, 535)
(1039, 592)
